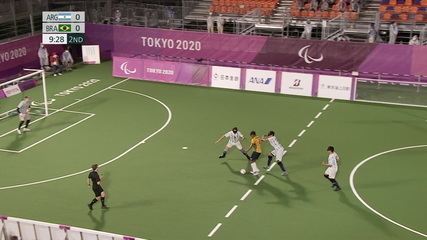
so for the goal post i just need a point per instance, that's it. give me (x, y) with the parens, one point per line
(23, 83)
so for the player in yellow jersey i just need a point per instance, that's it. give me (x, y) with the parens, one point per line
(256, 145)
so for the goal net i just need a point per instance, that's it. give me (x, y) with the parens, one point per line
(17, 86)
(392, 92)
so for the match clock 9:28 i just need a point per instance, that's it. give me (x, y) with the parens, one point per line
(54, 38)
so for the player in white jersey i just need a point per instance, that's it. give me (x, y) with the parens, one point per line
(23, 110)
(332, 169)
(278, 152)
(234, 137)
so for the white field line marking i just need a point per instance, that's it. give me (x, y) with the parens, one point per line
(394, 104)
(301, 133)
(69, 105)
(259, 180)
(318, 115)
(325, 107)
(332, 100)
(292, 143)
(54, 134)
(8, 150)
(246, 195)
(67, 111)
(113, 159)
(271, 166)
(214, 229)
(311, 123)
(353, 188)
(231, 211)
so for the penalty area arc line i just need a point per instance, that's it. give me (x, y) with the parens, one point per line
(111, 160)
(353, 188)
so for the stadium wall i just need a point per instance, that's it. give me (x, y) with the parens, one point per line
(396, 62)
(249, 79)
(22, 53)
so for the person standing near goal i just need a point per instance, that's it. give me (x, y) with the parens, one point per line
(234, 137)
(278, 152)
(332, 169)
(95, 181)
(23, 110)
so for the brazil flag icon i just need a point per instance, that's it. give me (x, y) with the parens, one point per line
(64, 27)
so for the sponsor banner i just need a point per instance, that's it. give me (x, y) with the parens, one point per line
(162, 71)
(128, 68)
(335, 87)
(297, 83)
(260, 80)
(225, 77)
(12, 90)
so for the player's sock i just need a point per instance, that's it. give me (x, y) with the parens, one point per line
(270, 158)
(103, 201)
(20, 124)
(335, 183)
(254, 167)
(281, 166)
(223, 154)
(27, 123)
(246, 155)
(93, 202)
(327, 177)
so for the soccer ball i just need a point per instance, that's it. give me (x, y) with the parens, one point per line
(242, 171)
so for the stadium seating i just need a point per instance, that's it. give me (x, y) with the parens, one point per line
(241, 7)
(404, 10)
(331, 13)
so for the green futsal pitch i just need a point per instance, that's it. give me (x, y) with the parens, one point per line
(158, 190)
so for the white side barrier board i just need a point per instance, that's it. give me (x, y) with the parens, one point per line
(260, 80)
(225, 77)
(297, 83)
(335, 87)
(34, 230)
(90, 54)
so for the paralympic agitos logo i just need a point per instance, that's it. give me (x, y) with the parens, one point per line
(126, 70)
(303, 53)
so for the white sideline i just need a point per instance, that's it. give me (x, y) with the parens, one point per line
(214, 230)
(231, 211)
(259, 180)
(113, 159)
(292, 143)
(246, 195)
(353, 188)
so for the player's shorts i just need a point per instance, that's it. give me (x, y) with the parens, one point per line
(238, 145)
(331, 172)
(255, 156)
(24, 116)
(97, 190)
(278, 153)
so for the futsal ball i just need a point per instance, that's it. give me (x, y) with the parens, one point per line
(242, 171)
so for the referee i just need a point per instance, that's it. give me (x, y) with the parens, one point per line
(96, 187)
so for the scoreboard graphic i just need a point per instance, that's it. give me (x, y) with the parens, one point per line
(63, 27)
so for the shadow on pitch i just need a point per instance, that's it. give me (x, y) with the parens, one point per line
(16, 143)
(98, 221)
(298, 189)
(365, 214)
(282, 198)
